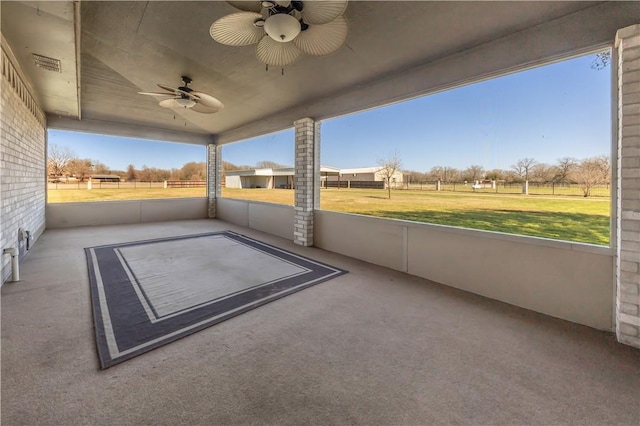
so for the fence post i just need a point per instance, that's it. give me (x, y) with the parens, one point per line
(165, 184)
(89, 184)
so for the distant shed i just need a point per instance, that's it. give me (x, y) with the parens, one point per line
(105, 178)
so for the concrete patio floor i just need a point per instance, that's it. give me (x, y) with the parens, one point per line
(374, 346)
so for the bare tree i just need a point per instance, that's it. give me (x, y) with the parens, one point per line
(523, 167)
(542, 173)
(81, 168)
(564, 168)
(473, 173)
(388, 168)
(100, 168)
(437, 173)
(266, 164)
(592, 172)
(131, 173)
(230, 166)
(495, 174)
(57, 159)
(194, 171)
(452, 174)
(414, 176)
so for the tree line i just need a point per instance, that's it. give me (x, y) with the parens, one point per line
(63, 163)
(587, 173)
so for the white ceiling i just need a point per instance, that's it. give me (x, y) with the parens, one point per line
(392, 52)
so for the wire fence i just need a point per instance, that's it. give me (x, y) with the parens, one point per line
(534, 188)
(126, 185)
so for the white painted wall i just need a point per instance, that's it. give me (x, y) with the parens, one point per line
(65, 215)
(565, 280)
(276, 219)
(232, 182)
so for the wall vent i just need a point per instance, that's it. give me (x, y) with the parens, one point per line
(46, 63)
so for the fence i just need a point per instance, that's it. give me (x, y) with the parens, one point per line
(368, 184)
(126, 185)
(185, 183)
(535, 188)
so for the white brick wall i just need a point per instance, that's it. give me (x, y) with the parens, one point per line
(214, 177)
(22, 165)
(628, 251)
(306, 180)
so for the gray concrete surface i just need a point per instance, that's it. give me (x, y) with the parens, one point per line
(374, 346)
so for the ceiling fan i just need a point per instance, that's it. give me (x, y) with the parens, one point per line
(284, 30)
(186, 97)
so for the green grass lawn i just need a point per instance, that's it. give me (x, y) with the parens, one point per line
(83, 195)
(565, 218)
(572, 218)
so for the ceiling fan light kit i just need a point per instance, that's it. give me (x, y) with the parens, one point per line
(282, 27)
(284, 30)
(187, 98)
(185, 102)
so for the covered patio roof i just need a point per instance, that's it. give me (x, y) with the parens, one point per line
(110, 50)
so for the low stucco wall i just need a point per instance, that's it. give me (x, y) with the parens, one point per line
(565, 280)
(65, 215)
(276, 219)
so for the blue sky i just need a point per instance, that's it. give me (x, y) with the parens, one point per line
(558, 110)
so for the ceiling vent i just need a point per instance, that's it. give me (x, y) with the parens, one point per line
(46, 63)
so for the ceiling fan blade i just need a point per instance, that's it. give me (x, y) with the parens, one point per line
(176, 92)
(247, 6)
(208, 101)
(169, 103)
(155, 94)
(321, 12)
(277, 54)
(202, 109)
(237, 29)
(320, 40)
(168, 88)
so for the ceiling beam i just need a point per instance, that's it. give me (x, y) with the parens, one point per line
(127, 130)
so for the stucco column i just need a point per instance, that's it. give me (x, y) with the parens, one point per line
(628, 195)
(213, 177)
(306, 180)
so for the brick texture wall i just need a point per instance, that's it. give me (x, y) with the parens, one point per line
(22, 164)
(628, 255)
(306, 179)
(214, 175)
